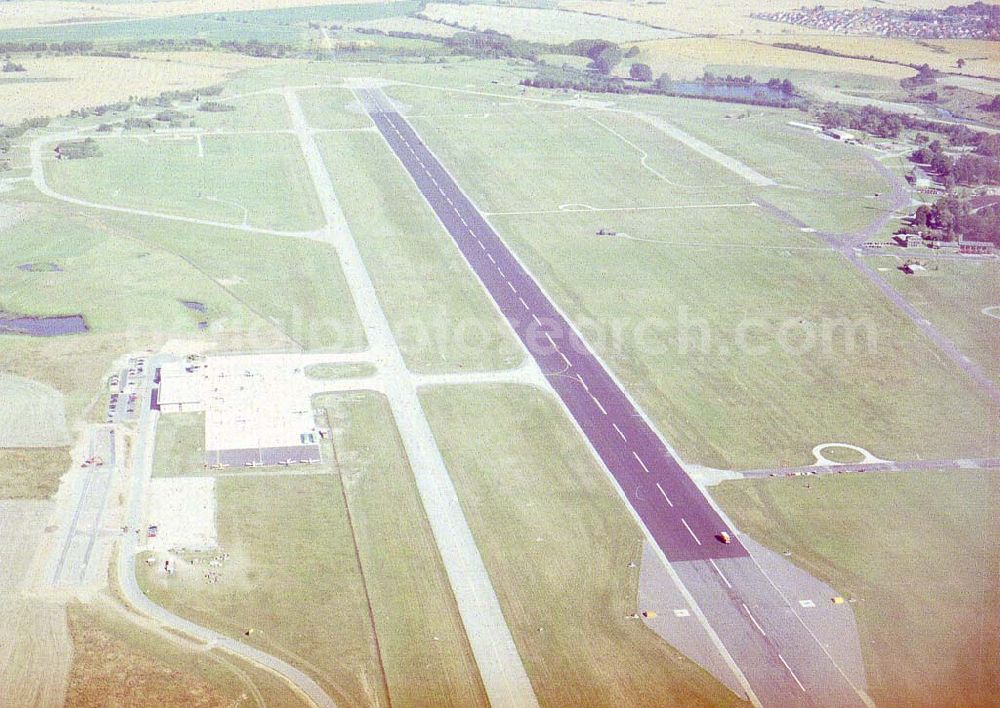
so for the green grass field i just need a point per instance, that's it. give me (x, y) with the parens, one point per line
(556, 540)
(331, 109)
(339, 371)
(953, 295)
(180, 445)
(544, 160)
(292, 576)
(715, 342)
(917, 553)
(442, 319)
(261, 177)
(424, 649)
(265, 111)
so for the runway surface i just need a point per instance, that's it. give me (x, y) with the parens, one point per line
(782, 661)
(680, 518)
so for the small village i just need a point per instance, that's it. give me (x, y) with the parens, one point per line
(974, 22)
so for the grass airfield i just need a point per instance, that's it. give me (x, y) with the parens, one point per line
(355, 537)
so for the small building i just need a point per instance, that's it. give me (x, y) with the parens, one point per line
(180, 389)
(977, 248)
(838, 134)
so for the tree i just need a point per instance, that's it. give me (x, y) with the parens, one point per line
(664, 82)
(787, 87)
(608, 59)
(960, 63)
(641, 72)
(632, 52)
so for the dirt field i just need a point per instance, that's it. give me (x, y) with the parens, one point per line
(31, 473)
(119, 663)
(688, 58)
(540, 25)
(54, 86)
(32, 13)
(35, 651)
(32, 414)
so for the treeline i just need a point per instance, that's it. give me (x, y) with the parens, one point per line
(12, 132)
(575, 80)
(77, 149)
(951, 218)
(970, 170)
(55, 47)
(255, 48)
(888, 124)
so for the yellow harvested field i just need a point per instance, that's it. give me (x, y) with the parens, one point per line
(688, 57)
(719, 17)
(982, 58)
(56, 85)
(32, 13)
(540, 25)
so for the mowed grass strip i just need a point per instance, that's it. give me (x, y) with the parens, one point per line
(442, 319)
(180, 445)
(161, 669)
(292, 576)
(748, 357)
(556, 540)
(333, 109)
(424, 648)
(265, 175)
(915, 551)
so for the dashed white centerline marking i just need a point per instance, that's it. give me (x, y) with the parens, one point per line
(754, 620)
(551, 341)
(490, 256)
(582, 382)
(717, 570)
(639, 460)
(684, 521)
(619, 431)
(569, 364)
(523, 303)
(511, 286)
(481, 244)
(500, 271)
(792, 673)
(669, 503)
(537, 321)
(598, 403)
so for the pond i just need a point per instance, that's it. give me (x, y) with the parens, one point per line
(11, 323)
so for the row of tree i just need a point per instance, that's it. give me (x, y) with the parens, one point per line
(950, 218)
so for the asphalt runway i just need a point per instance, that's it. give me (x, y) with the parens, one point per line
(680, 518)
(782, 661)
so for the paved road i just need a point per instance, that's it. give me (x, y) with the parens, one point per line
(974, 463)
(500, 666)
(781, 660)
(74, 565)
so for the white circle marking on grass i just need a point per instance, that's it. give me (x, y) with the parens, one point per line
(821, 460)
